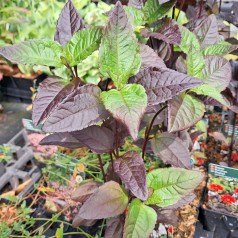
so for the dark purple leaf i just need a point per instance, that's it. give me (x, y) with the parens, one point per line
(207, 32)
(111, 175)
(167, 216)
(184, 136)
(158, 120)
(82, 108)
(79, 221)
(68, 23)
(195, 22)
(154, 109)
(114, 228)
(136, 3)
(110, 200)
(64, 139)
(121, 133)
(131, 170)
(149, 58)
(161, 48)
(171, 150)
(84, 191)
(50, 94)
(234, 108)
(163, 84)
(195, 16)
(196, 134)
(208, 100)
(140, 144)
(184, 111)
(96, 138)
(168, 32)
(181, 65)
(192, 12)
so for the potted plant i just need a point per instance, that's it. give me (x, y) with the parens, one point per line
(138, 97)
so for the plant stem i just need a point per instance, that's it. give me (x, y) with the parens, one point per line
(71, 71)
(75, 233)
(147, 133)
(201, 8)
(112, 162)
(232, 139)
(117, 150)
(76, 71)
(220, 6)
(180, 8)
(101, 166)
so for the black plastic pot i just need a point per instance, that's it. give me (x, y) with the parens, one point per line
(213, 224)
(218, 224)
(18, 89)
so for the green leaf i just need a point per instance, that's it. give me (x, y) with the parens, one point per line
(189, 40)
(170, 185)
(127, 105)
(210, 91)
(217, 72)
(82, 44)
(202, 126)
(183, 112)
(195, 63)
(34, 52)
(60, 231)
(140, 220)
(119, 56)
(135, 16)
(154, 11)
(221, 48)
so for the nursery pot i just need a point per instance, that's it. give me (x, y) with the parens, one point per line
(18, 89)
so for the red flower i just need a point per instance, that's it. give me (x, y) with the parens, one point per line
(215, 187)
(203, 145)
(234, 157)
(170, 230)
(200, 161)
(228, 199)
(151, 168)
(224, 146)
(236, 190)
